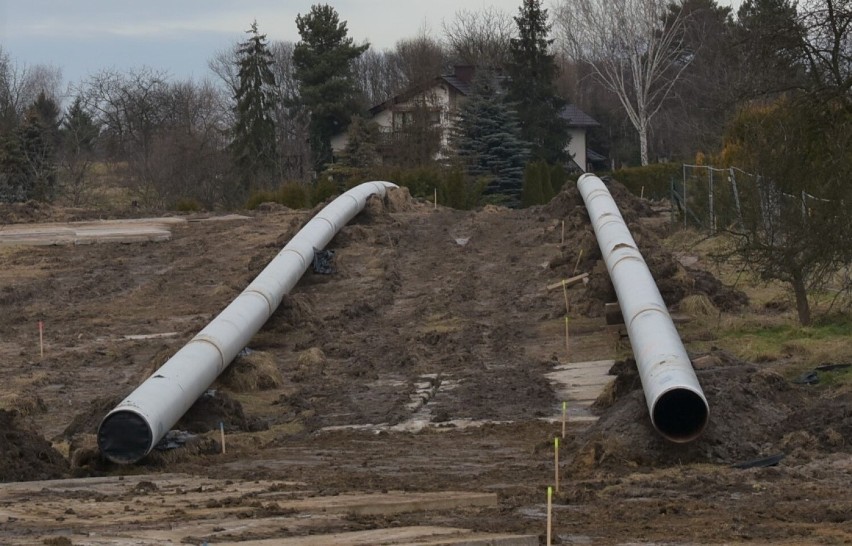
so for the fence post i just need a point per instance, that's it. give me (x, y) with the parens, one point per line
(736, 197)
(712, 219)
(684, 196)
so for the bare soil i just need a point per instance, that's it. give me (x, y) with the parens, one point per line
(369, 379)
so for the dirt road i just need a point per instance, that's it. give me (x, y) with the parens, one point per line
(420, 366)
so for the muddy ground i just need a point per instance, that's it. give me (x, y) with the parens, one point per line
(369, 379)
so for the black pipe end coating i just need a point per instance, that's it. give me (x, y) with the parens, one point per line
(124, 437)
(680, 415)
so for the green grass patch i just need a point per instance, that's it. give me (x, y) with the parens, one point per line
(826, 342)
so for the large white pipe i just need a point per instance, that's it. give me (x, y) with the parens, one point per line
(133, 428)
(677, 405)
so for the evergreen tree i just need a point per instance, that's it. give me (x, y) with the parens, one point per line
(78, 134)
(323, 68)
(487, 138)
(254, 148)
(12, 169)
(532, 74)
(532, 193)
(47, 112)
(362, 144)
(35, 158)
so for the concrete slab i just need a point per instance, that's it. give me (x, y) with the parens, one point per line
(412, 536)
(81, 233)
(580, 384)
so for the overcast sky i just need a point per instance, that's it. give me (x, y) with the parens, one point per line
(82, 37)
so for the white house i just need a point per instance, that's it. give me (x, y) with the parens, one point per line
(442, 95)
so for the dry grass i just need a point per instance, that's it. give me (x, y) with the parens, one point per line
(256, 371)
(698, 305)
(24, 403)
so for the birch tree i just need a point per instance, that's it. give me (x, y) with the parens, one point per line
(633, 49)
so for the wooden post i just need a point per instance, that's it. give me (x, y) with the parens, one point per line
(563, 233)
(549, 514)
(556, 462)
(568, 283)
(567, 348)
(436, 198)
(576, 265)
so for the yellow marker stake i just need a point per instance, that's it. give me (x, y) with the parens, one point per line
(556, 461)
(564, 412)
(576, 265)
(565, 293)
(566, 334)
(436, 198)
(563, 232)
(549, 512)
(41, 338)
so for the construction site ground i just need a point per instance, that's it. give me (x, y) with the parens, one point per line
(410, 397)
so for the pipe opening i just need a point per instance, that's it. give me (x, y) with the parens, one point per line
(124, 437)
(680, 415)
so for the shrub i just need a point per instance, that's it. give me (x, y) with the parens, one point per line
(656, 178)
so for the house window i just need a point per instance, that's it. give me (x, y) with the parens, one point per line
(406, 118)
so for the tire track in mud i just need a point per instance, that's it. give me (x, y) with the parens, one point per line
(433, 330)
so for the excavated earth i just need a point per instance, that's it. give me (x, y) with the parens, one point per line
(418, 367)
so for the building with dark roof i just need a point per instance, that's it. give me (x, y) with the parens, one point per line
(442, 96)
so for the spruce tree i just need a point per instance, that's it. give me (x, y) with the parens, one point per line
(487, 138)
(532, 72)
(254, 148)
(78, 135)
(323, 67)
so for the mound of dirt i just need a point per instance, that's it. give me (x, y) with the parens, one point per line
(754, 413)
(214, 407)
(88, 421)
(581, 253)
(24, 455)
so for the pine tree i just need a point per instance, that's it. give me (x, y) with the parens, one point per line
(487, 138)
(362, 144)
(254, 148)
(323, 68)
(532, 193)
(532, 74)
(38, 155)
(78, 134)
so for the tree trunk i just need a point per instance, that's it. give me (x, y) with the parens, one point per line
(802, 305)
(643, 144)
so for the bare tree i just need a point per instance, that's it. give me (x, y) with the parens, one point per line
(419, 59)
(633, 48)
(479, 37)
(291, 118)
(826, 46)
(20, 86)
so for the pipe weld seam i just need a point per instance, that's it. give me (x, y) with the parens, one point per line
(634, 257)
(297, 253)
(645, 310)
(330, 223)
(205, 338)
(269, 303)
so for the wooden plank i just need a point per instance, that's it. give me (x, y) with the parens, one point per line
(568, 282)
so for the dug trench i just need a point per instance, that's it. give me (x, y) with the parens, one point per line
(418, 365)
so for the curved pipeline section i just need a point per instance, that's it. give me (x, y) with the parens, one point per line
(132, 429)
(677, 405)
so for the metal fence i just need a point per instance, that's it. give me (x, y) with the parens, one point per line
(712, 198)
